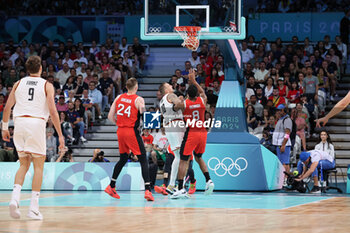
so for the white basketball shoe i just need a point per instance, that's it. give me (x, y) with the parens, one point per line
(14, 209)
(209, 187)
(35, 214)
(180, 194)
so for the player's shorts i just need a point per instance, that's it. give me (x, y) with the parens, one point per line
(129, 139)
(30, 135)
(174, 137)
(194, 141)
(285, 156)
(171, 153)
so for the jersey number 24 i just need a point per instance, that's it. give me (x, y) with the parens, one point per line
(123, 111)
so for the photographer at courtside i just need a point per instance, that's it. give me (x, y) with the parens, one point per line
(98, 157)
(65, 155)
(312, 161)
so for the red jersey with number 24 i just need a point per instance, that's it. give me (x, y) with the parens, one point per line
(195, 110)
(126, 111)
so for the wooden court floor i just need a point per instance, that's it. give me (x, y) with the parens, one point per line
(96, 212)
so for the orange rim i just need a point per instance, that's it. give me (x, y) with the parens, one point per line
(190, 30)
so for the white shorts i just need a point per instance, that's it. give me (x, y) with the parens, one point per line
(30, 135)
(175, 138)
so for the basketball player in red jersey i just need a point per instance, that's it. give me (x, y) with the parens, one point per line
(125, 112)
(195, 138)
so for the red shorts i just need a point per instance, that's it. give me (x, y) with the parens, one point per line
(129, 139)
(172, 153)
(194, 141)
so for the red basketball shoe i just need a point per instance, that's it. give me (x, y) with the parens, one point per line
(112, 192)
(148, 196)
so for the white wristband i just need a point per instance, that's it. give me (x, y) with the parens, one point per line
(5, 126)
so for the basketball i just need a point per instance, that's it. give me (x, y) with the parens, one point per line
(191, 43)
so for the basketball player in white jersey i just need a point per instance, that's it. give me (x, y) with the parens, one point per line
(170, 106)
(33, 98)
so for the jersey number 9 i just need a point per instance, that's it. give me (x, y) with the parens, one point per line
(31, 94)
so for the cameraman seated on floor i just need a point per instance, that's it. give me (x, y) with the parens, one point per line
(311, 162)
(98, 157)
(65, 155)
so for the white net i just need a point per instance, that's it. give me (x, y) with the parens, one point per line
(190, 35)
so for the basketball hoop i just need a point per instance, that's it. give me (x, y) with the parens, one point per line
(190, 35)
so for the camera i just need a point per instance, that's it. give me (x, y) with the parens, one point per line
(300, 186)
(68, 153)
(99, 156)
(101, 153)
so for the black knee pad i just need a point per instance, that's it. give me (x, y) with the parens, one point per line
(185, 157)
(198, 155)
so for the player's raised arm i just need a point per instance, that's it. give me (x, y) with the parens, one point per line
(340, 106)
(50, 99)
(192, 78)
(7, 111)
(176, 101)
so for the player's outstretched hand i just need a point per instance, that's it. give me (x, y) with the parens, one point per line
(5, 135)
(61, 146)
(192, 75)
(321, 122)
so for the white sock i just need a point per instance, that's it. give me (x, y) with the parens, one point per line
(34, 202)
(16, 193)
(174, 168)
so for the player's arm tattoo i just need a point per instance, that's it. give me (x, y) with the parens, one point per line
(178, 104)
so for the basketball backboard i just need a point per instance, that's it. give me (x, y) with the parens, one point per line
(219, 19)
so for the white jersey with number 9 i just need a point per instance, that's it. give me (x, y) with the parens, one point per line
(30, 98)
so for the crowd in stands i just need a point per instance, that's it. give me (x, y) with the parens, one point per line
(86, 81)
(101, 7)
(82, 7)
(284, 6)
(298, 78)
(128, 7)
(297, 75)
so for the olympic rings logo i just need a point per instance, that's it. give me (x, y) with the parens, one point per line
(234, 169)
